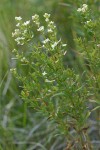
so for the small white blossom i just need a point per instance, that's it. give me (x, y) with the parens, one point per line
(46, 15)
(83, 9)
(98, 45)
(13, 34)
(19, 40)
(50, 31)
(45, 41)
(23, 59)
(87, 22)
(18, 18)
(17, 56)
(13, 70)
(25, 31)
(49, 91)
(51, 22)
(55, 44)
(51, 25)
(26, 23)
(47, 19)
(49, 81)
(17, 31)
(85, 5)
(65, 52)
(14, 50)
(35, 17)
(79, 9)
(18, 24)
(64, 45)
(44, 73)
(41, 28)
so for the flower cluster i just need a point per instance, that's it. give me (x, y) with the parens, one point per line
(83, 9)
(13, 70)
(86, 20)
(35, 19)
(50, 29)
(46, 16)
(49, 41)
(23, 33)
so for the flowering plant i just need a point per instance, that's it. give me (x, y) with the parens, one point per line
(50, 88)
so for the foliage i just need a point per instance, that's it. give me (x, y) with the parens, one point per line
(48, 86)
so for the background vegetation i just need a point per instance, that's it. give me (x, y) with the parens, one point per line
(20, 127)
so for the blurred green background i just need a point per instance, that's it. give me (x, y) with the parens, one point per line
(20, 127)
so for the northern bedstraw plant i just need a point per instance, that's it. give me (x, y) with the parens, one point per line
(56, 92)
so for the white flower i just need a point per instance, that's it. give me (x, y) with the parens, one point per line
(55, 44)
(49, 91)
(50, 31)
(18, 24)
(79, 9)
(13, 70)
(24, 60)
(44, 73)
(98, 45)
(17, 31)
(18, 18)
(47, 19)
(45, 41)
(13, 34)
(87, 22)
(21, 43)
(26, 23)
(46, 15)
(35, 17)
(41, 28)
(83, 9)
(85, 5)
(19, 40)
(64, 45)
(49, 81)
(65, 52)
(51, 25)
(25, 31)
(14, 50)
